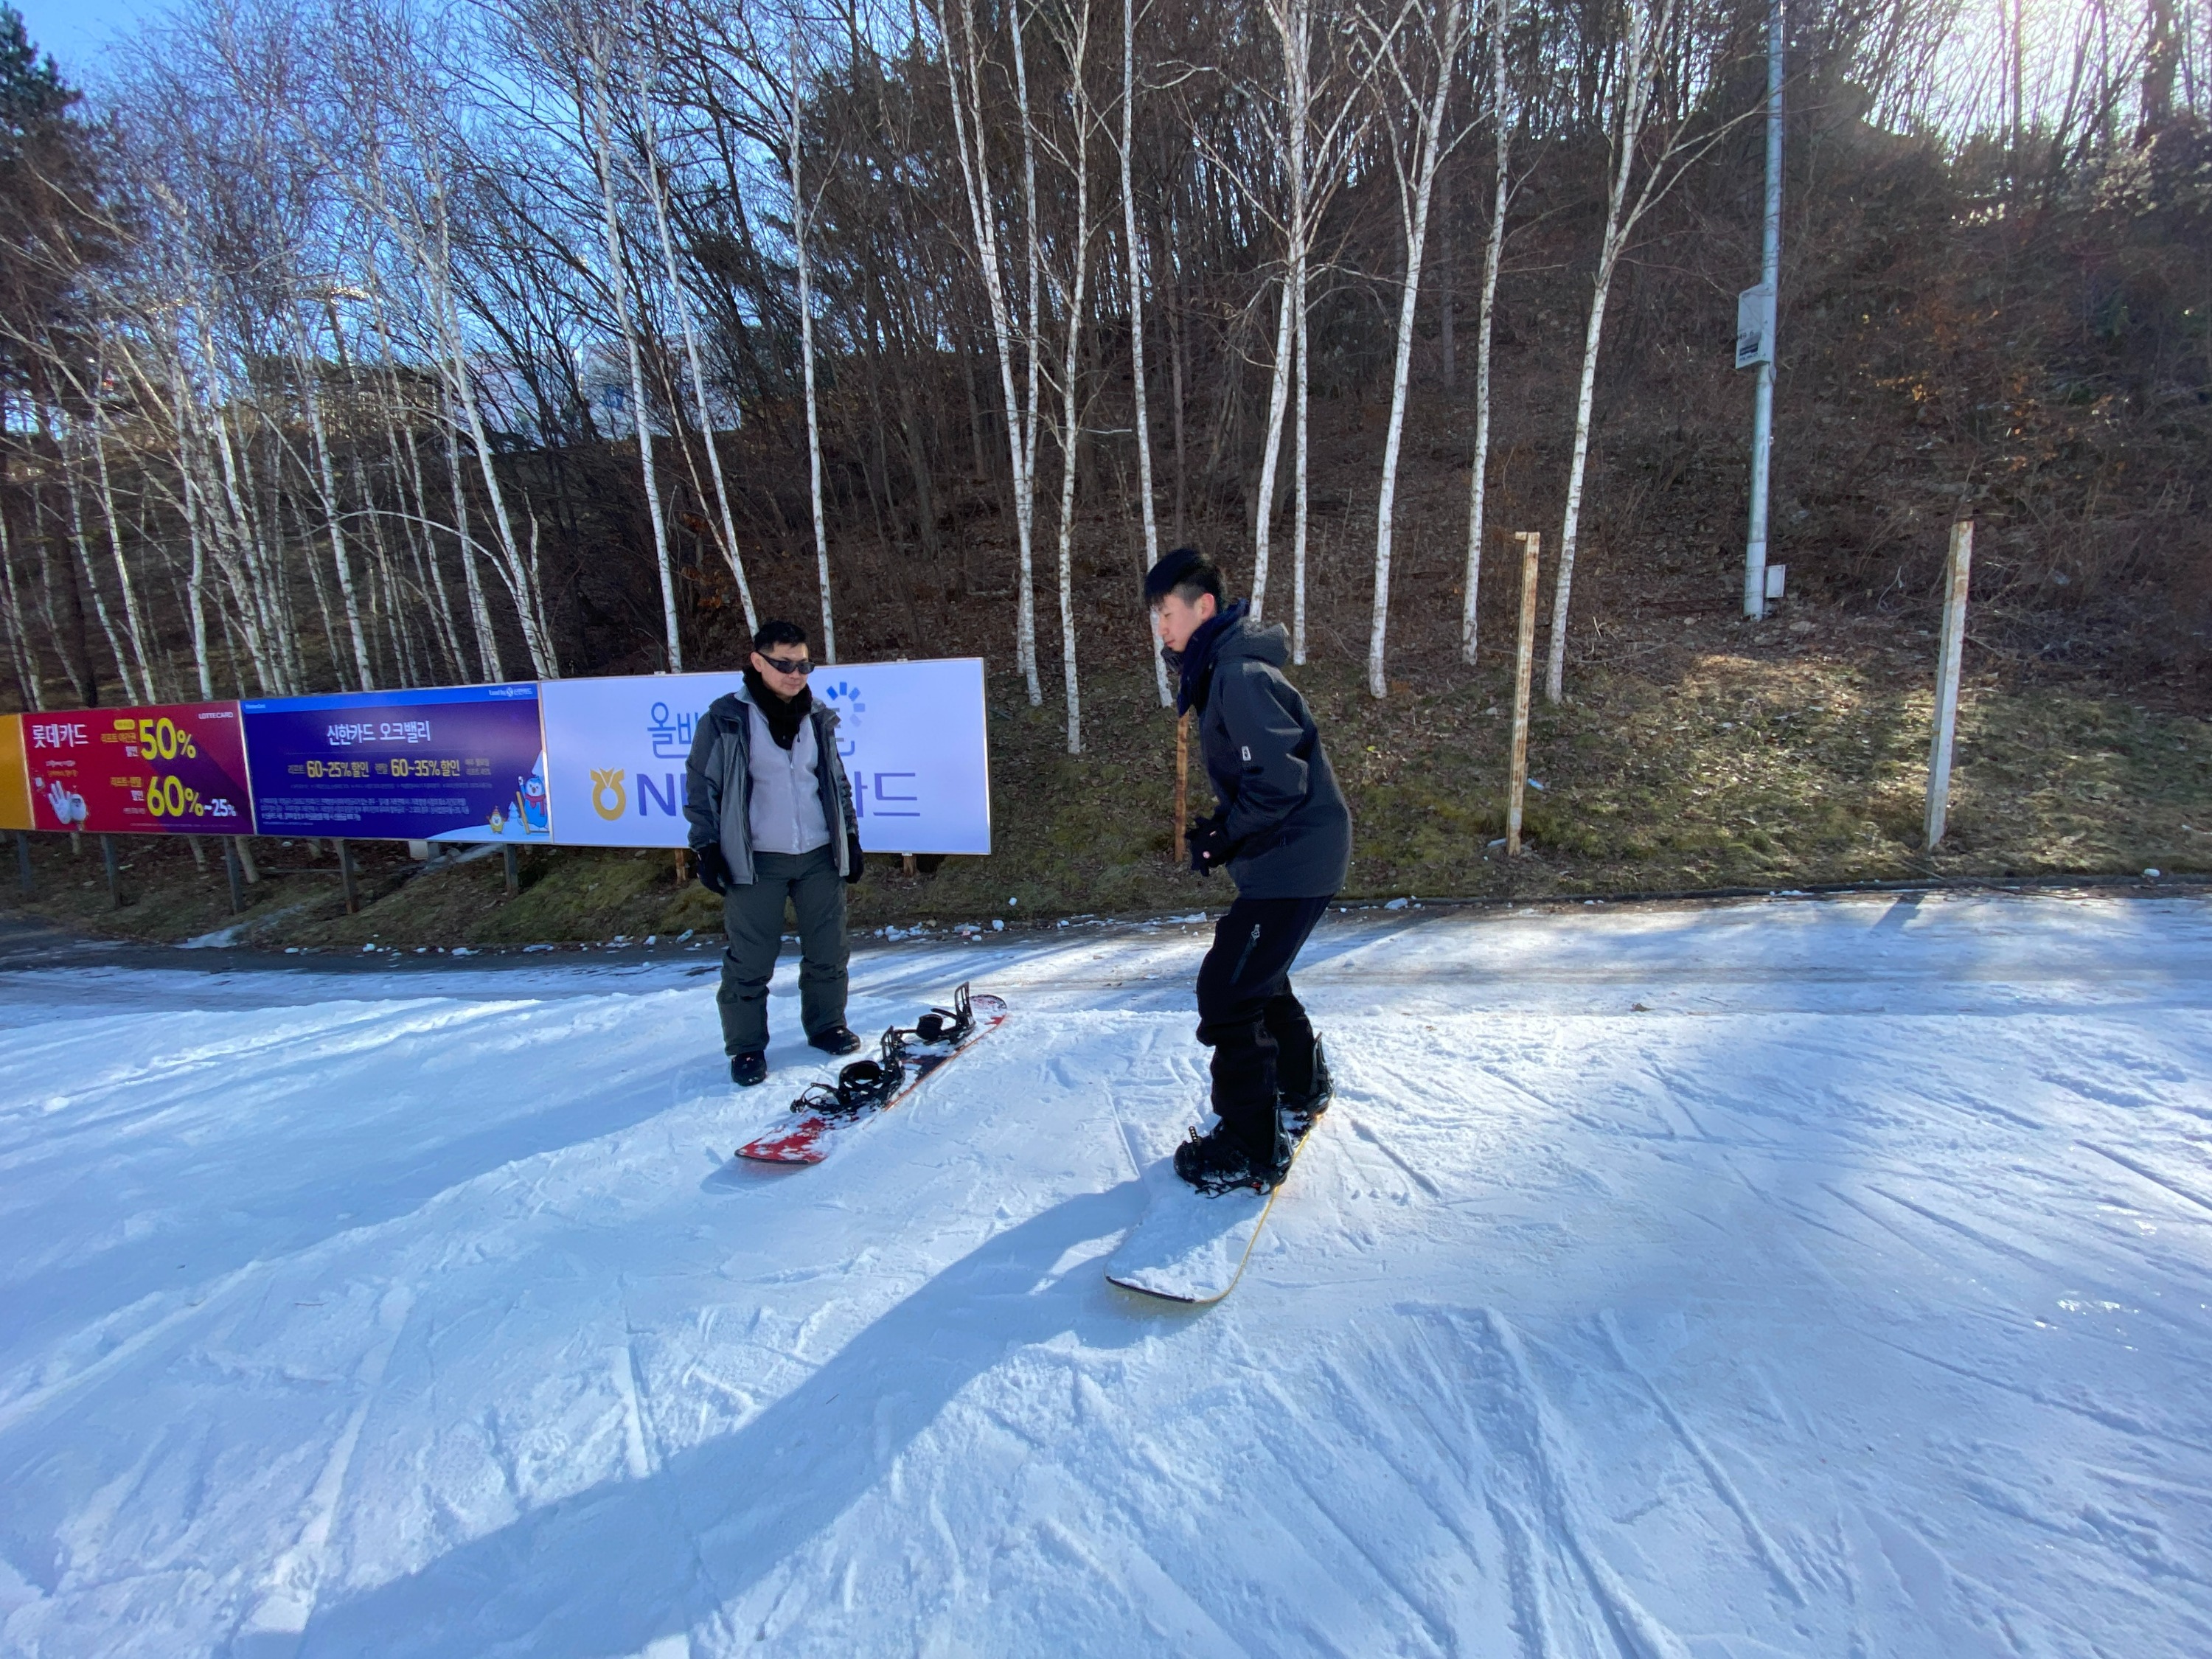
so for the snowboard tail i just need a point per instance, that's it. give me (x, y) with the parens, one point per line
(907, 1057)
(1189, 1247)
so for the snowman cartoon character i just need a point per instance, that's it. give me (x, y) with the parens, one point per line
(529, 801)
(68, 806)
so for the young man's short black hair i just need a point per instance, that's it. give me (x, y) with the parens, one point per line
(1186, 573)
(775, 632)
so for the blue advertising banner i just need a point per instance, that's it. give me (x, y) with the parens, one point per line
(453, 763)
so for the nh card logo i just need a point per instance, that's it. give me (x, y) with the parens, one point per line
(845, 698)
(609, 799)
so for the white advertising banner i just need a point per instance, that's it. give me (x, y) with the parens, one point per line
(910, 733)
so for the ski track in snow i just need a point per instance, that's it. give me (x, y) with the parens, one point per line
(1813, 1278)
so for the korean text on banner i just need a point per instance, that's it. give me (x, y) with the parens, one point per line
(14, 781)
(911, 735)
(176, 768)
(452, 763)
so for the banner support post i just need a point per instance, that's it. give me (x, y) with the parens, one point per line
(23, 862)
(230, 869)
(114, 876)
(513, 860)
(345, 878)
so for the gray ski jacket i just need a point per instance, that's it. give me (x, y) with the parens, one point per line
(718, 785)
(1285, 812)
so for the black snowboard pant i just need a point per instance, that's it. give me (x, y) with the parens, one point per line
(1247, 1014)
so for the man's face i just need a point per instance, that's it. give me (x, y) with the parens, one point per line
(1176, 618)
(784, 668)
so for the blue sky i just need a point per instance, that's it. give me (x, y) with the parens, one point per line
(76, 31)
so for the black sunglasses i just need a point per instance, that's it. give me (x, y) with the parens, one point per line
(801, 667)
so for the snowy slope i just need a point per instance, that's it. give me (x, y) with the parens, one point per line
(1786, 1279)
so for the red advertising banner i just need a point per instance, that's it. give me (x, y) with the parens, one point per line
(176, 769)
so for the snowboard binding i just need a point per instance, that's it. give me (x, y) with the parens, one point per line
(862, 1086)
(947, 1025)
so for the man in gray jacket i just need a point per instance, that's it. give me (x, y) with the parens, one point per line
(1284, 834)
(771, 820)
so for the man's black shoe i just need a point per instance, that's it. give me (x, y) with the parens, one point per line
(834, 1039)
(1215, 1164)
(749, 1068)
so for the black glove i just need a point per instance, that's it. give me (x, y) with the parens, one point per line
(1209, 846)
(855, 860)
(714, 870)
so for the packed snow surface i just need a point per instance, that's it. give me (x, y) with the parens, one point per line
(1798, 1278)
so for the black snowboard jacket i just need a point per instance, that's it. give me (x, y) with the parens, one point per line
(1284, 812)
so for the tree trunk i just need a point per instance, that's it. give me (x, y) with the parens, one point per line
(1477, 480)
(640, 408)
(1143, 418)
(1414, 216)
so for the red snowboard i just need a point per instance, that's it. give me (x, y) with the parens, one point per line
(807, 1139)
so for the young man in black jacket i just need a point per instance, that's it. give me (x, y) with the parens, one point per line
(1284, 834)
(771, 819)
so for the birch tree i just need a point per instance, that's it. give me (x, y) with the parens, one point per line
(1492, 254)
(597, 50)
(1419, 62)
(1646, 36)
(1075, 39)
(799, 218)
(965, 78)
(1131, 246)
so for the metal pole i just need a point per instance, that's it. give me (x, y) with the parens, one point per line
(23, 862)
(230, 870)
(345, 878)
(1770, 274)
(512, 861)
(1524, 666)
(1949, 654)
(114, 876)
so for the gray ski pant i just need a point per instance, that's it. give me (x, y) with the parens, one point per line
(752, 916)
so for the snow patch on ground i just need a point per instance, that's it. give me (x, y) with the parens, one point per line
(1810, 1278)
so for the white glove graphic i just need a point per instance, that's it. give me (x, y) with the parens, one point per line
(68, 807)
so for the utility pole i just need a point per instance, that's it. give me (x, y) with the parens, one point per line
(1754, 326)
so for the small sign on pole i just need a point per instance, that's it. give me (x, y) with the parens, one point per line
(1947, 677)
(1524, 663)
(1754, 326)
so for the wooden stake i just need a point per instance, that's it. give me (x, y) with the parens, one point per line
(906, 865)
(230, 873)
(114, 876)
(23, 862)
(513, 860)
(1524, 663)
(1953, 647)
(246, 858)
(1182, 786)
(345, 877)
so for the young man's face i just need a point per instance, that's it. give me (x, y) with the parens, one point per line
(1176, 618)
(784, 668)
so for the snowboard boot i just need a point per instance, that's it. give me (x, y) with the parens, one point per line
(834, 1039)
(1303, 1109)
(749, 1068)
(1221, 1160)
